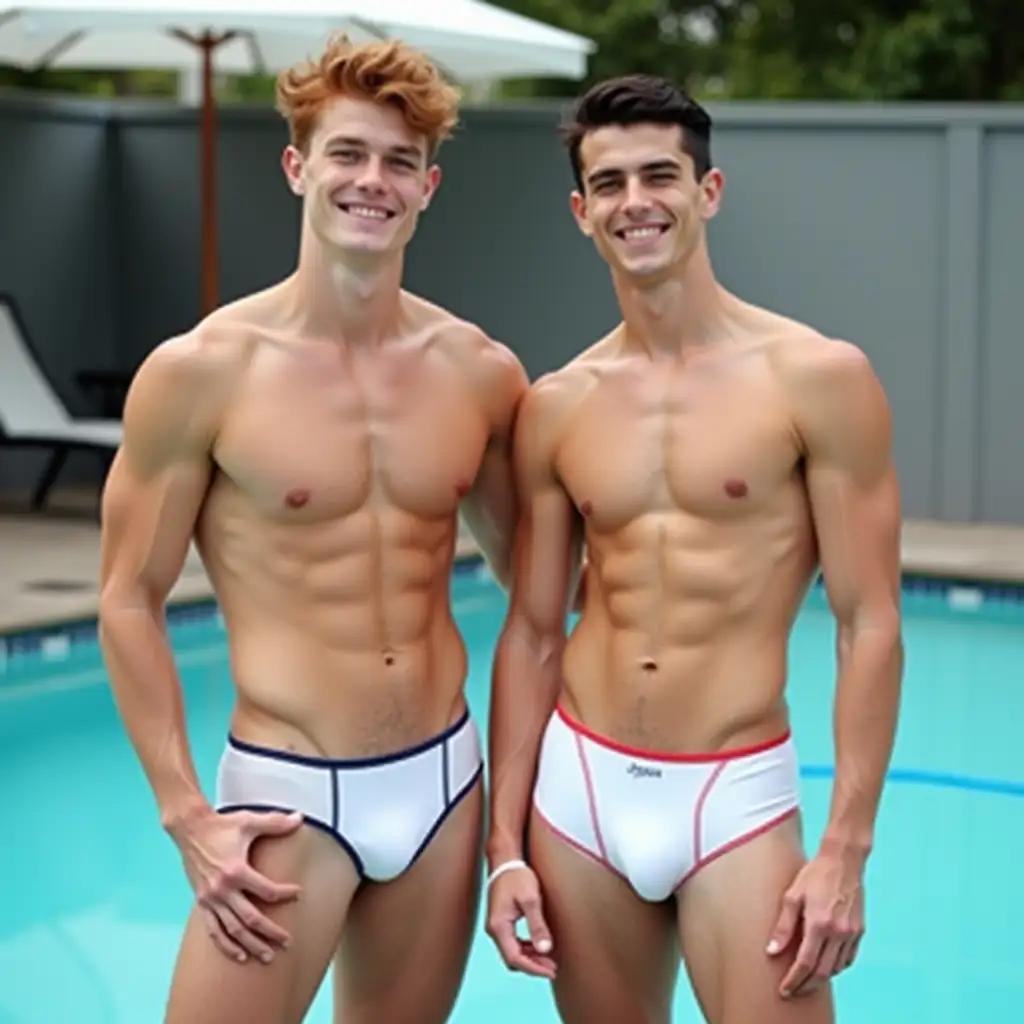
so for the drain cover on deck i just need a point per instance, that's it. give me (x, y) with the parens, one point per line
(58, 586)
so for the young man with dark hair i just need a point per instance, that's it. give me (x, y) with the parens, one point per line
(711, 455)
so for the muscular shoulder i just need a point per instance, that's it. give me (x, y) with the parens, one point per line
(837, 401)
(180, 390)
(492, 370)
(548, 409)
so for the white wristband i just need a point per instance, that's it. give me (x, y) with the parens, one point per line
(509, 865)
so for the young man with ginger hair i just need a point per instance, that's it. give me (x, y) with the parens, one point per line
(319, 440)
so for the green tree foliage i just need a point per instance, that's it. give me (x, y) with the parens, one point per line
(950, 50)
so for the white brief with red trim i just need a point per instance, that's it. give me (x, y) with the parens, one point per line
(657, 818)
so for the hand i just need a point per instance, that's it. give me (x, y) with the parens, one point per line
(215, 849)
(827, 900)
(514, 895)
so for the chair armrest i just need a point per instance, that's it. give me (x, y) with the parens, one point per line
(110, 385)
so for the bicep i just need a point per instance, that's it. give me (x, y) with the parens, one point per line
(157, 481)
(858, 531)
(547, 556)
(148, 521)
(490, 507)
(855, 497)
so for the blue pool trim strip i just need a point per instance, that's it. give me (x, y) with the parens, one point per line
(203, 609)
(932, 780)
(958, 594)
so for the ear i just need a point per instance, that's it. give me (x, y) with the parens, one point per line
(292, 163)
(712, 188)
(578, 204)
(431, 186)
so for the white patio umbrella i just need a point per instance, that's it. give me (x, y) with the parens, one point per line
(469, 39)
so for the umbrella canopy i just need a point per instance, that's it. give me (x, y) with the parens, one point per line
(468, 39)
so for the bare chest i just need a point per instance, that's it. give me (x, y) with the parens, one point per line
(717, 446)
(318, 441)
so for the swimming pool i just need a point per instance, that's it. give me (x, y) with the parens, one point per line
(94, 896)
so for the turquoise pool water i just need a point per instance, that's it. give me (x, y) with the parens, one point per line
(94, 897)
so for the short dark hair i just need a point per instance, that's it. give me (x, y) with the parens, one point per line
(636, 99)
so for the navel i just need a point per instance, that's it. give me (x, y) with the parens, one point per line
(735, 487)
(298, 498)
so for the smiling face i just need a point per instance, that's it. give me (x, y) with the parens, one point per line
(365, 178)
(641, 202)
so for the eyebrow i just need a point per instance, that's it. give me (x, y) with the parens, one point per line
(654, 165)
(349, 140)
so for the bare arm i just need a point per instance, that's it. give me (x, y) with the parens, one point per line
(490, 509)
(151, 501)
(527, 663)
(845, 423)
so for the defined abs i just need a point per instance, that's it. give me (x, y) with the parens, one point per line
(692, 693)
(346, 701)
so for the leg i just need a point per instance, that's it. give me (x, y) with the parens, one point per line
(208, 988)
(617, 956)
(406, 943)
(727, 911)
(54, 465)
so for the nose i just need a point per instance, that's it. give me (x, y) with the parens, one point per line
(637, 201)
(371, 175)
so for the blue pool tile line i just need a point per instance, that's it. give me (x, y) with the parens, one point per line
(995, 602)
(56, 642)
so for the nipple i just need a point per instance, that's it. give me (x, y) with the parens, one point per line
(736, 488)
(462, 488)
(297, 499)
(586, 508)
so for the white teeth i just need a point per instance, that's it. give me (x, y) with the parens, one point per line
(631, 234)
(366, 211)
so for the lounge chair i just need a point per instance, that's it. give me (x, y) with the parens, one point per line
(32, 414)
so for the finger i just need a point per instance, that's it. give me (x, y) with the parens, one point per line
(221, 939)
(251, 944)
(806, 961)
(850, 952)
(785, 929)
(504, 935)
(828, 963)
(539, 965)
(270, 823)
(266, 889)
(540, 934)
(240, 935)
(511, 948)
(258, 925)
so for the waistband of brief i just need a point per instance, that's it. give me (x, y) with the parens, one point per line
(464, 721)
(709, 757)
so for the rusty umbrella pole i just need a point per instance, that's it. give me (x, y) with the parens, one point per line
(210, 212)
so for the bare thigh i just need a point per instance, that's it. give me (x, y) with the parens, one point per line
(406, 943)
(209, 988)
(727, 912)
(616, 955)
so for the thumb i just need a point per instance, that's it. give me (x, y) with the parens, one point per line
(274, 823)
(786, 925)
(540, 934)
